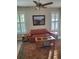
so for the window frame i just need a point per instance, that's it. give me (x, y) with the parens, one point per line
(54, 21)
(20, 23)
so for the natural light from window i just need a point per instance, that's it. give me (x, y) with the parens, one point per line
(20, 24)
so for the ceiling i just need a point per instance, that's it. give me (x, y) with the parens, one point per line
(29, 3)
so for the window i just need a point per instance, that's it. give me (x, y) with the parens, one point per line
(20, 24)
(55, 22)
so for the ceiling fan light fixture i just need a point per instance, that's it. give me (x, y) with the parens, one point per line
(37, 8)
(40, 5)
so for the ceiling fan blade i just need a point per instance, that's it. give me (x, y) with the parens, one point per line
(47, 3)
(35, 2)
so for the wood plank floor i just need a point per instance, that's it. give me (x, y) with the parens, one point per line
(30, 51)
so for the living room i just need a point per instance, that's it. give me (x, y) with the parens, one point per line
(25, 20)
(19, 45)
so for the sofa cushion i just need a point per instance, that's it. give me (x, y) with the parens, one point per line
(41, 35)
(38, 31)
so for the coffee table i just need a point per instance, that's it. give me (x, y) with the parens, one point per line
(44, 41)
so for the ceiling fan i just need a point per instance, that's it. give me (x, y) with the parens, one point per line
(40, 5)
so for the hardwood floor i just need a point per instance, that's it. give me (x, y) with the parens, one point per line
(19, 43)
(30, 51)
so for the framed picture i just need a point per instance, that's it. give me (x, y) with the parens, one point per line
(38, 19)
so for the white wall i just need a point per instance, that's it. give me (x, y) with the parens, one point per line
(28, 17)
